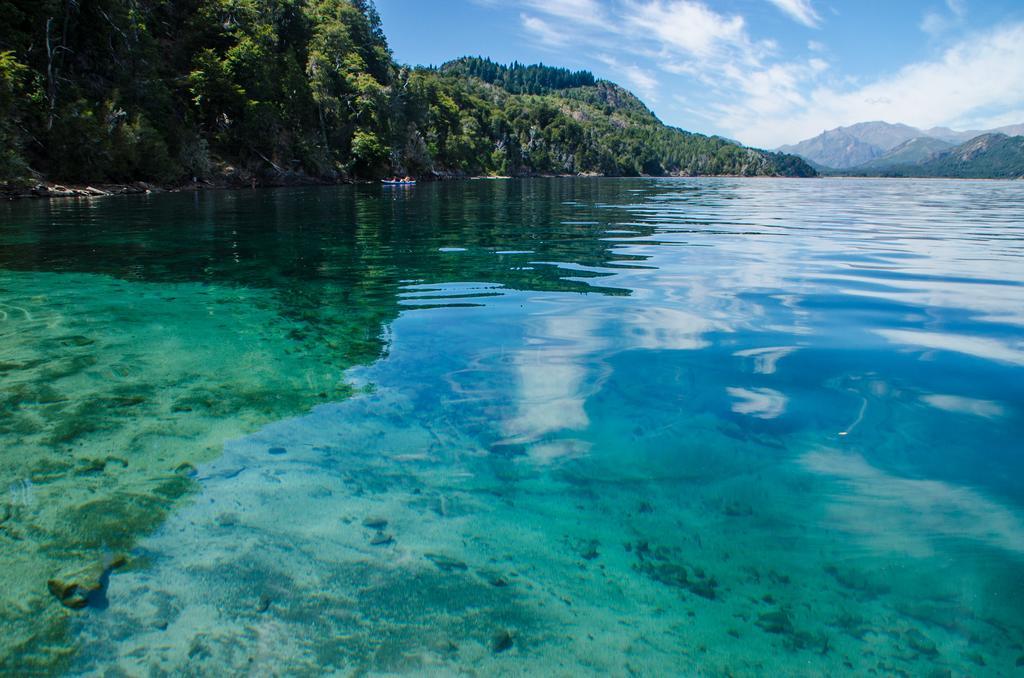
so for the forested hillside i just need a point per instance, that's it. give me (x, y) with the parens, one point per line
(284, 90)
(989, 156)
(519, 78)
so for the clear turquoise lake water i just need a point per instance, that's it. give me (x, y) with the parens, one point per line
(543, 427)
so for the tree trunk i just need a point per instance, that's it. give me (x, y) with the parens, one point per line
(51, 77)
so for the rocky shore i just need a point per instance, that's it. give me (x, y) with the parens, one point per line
(53, 190)
(48, 189)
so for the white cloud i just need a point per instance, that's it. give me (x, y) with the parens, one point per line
(799, 10)
(636, 78)
(686, 27)
(577, 11)
(957, 7)
(763, 403)
(979, 347)
(766, 360)
(1001, 119)
(935, 23)
(642, 81)
(964, 405)
(963, 87)
(542, 31)
(908, 514)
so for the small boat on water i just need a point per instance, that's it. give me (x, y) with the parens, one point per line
(398, 182)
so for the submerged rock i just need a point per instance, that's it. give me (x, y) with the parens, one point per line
(77, 588)
(779, 622)
(91, 466)
(448, 648)
(704, 588)
(858, 581)
(375, 523)
(76, 340)
(920, 643)
(776, 621)
(501, 641)
(227, 519)
(669, 574)
(585, 548)
(675, 574)
(382, 539)
(852, 625)
(737, 509)
(446, 564)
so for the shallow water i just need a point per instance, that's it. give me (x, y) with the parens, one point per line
(626, 427)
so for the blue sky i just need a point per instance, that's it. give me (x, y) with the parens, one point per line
(765, 72)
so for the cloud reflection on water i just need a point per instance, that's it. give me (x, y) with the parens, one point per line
(908, 514)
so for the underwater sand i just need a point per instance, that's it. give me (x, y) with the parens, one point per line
(637, 427)
(112, 391)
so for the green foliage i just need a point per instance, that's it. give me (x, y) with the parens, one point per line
(145, 89)
(216, 99)
(138, 151)
(12, 164)
(78, 144)
(519, 78)
(369, 154)
(989, 156)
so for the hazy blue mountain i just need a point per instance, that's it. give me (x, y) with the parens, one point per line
(952, 136)
(1010, 130)
(912, 152)
(856, 146)
(955, 137)
(882, 135)
(846, 147)
(836, 149)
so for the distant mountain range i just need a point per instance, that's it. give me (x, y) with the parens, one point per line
(886, 149)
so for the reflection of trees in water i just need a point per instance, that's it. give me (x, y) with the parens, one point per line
(332, 253)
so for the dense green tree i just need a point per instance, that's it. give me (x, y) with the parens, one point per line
(12, 74)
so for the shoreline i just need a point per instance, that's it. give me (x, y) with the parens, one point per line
(50, 189)
(44, 189)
